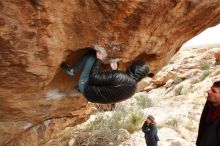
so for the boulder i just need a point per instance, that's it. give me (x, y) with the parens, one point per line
(36, 36)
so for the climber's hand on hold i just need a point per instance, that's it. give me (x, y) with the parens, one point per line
(99, 55)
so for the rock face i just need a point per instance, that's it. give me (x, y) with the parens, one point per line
(217, 57)
(36, 36)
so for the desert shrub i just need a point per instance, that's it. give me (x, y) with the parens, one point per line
(101, 131)
(95, 138)
(105, 128)
(195, 80)
(117, 120)
(143, 101)
(185, 91)
(177, 80)
(173, 123)
(99, 122)
(182, 127)
(204, 66)
(204, 75)
(135, 119)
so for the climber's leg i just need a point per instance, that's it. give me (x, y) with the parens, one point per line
(76, 67)
(81, 63)
(84, 77)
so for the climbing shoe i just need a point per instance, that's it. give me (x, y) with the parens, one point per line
(69, 71)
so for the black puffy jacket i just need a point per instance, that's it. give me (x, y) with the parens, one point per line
(109, 86)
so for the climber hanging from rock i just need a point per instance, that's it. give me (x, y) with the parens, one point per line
(106, 86)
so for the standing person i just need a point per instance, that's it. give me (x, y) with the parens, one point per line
(106, 87)
(209, 127)
(150, 131)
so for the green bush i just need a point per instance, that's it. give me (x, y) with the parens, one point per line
(204, 66)
(177, 80)
(143, 101)
(185, 91)
(195, 80)
(117, 120)
(98, 123)
(135, 120)
(105, 128)
(205, 74)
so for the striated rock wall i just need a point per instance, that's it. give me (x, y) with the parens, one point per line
(36, 36)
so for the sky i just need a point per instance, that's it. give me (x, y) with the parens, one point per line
(207, 37)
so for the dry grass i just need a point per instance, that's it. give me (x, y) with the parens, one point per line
(204, 75)
(105, 128)
(143, 101)
(184, 126)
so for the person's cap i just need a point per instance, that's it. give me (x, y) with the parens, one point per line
(151, 118)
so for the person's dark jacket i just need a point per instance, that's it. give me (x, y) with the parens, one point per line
(109, 86)
(150, 134)
(209, 133)
(114, 86)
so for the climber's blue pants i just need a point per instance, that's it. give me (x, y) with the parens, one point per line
(86, 64)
